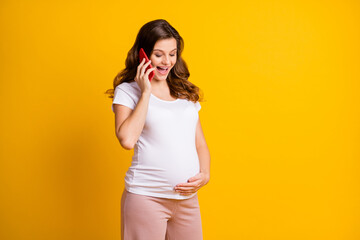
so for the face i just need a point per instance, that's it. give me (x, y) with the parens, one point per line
(163, 57)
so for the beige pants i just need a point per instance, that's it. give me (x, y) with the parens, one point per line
(152, 218)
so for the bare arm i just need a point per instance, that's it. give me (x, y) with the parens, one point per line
(203, 151)
(130, 123)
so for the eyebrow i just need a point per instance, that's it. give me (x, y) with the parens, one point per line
(162, 50)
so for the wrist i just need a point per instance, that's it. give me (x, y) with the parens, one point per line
(146, 93)
(206, 174)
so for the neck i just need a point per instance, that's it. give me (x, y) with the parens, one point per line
(159, 85)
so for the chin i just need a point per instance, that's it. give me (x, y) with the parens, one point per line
(160, 79)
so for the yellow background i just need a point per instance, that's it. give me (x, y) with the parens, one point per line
(281, 81)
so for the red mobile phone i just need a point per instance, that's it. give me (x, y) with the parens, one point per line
(142, 55)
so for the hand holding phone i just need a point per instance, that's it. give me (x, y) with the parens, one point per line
(142, 55)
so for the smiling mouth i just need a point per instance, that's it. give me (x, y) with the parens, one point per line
(163, 70)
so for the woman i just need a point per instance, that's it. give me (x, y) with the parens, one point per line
(159, 119)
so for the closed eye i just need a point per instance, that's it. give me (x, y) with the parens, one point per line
(161, 55)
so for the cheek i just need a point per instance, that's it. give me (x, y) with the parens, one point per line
(154, 60)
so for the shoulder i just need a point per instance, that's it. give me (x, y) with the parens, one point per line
(197, 106)
(127, 93)
(129, 87)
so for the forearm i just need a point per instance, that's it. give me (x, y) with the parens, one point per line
(204, 160)
(132, 127)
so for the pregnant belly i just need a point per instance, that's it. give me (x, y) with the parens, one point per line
(166, 175)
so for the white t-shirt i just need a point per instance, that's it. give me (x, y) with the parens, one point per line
(165, 153)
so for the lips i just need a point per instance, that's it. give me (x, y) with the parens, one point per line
(165, 68)
(162, 70)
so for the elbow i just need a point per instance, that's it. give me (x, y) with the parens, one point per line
(126, 144)
(125, 141)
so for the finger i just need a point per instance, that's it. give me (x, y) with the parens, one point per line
(192, 185)
(188, 189)
(187, 194)
(185, 189)
(149, 71)
(139, 69)
(141, 63)
(194, 178)
(189, 184)
(144, 67)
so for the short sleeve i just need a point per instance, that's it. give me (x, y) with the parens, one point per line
(198, 106)
(122, 97)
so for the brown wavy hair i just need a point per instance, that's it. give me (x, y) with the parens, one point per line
(177, 78)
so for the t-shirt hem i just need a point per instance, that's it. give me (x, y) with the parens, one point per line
(124, 104)
(159, 195)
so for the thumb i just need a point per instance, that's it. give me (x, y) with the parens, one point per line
(192, 179)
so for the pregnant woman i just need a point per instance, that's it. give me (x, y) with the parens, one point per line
(159, 119)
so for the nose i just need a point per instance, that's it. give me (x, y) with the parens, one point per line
(166, 60)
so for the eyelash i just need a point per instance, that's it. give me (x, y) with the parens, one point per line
(160, 55)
